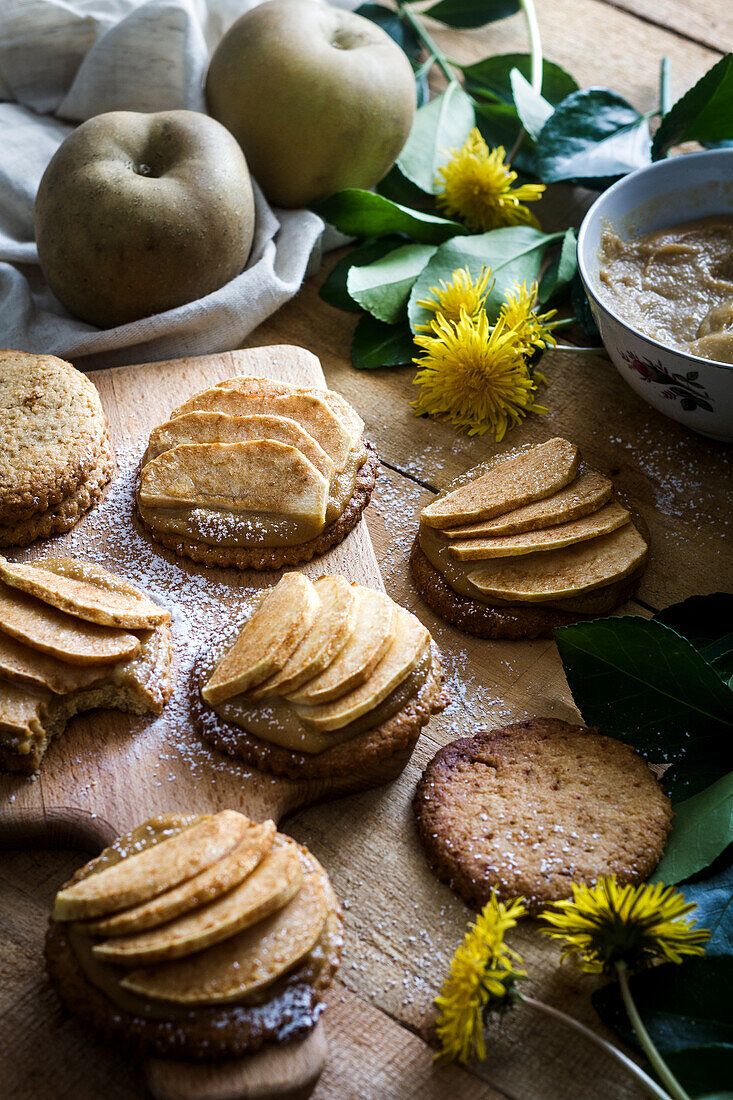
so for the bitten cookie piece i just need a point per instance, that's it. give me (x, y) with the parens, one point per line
(56, 456)
(529, 809)
(526, 542)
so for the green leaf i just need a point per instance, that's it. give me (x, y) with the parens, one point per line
(383, 287)
(707, 622)
(582, 310)
(701, 830)
(705, 1071)
(682, 781)
(492, 77)
(399, 29)
(532, 107)
(561, 269)
(683, 1005)
(638, 680)
(593, 136)
(513, 253)
(363, 214)
(704, 114)
(471, 13)
(333, 290)
(713, 897)
(440, 125)
(378, 345)
(500, 124)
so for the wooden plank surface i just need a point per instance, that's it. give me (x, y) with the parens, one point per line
(401, 925)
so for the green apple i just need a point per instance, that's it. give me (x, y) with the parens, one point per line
(139, 213)
(319, 99)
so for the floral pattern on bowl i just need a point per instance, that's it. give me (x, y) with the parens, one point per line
(684, 388)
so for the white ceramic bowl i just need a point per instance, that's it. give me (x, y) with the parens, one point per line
(696, 392)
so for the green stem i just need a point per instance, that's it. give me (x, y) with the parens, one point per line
(563, 322)
(649, 1086)
(536, 63)
(581, 351)
(661, 1069)
(428, 41)
(665, 98)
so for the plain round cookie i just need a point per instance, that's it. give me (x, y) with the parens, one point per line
(52, 426)
(531, 808)
(65, 515)
(267, 558)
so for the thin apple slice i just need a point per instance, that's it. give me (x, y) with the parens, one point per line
(75, 641)
(86, 595)
(20, 710)
(310, 410)
(271, 885)
(224, 875)
(323, 642)
(148, 873)
(608, 518)
(407, 649)
(268, 638)
(372, 635)
(22, 665)
(511, 483)
(244, 382)
(588, 492)
(557, 574)
(247, 962)
(212, 427)
(260, 476)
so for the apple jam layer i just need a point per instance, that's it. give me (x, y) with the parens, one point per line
(185, 982)
(277, 722)
(227, 527)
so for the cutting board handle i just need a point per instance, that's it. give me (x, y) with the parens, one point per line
(61, 827)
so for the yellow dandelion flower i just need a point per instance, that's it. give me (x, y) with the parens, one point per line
(473, 376)
(476, 185)
(519, 313)
(606, 926)
(481, 976)
(461, 293)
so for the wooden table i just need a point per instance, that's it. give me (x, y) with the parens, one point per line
(396, 948)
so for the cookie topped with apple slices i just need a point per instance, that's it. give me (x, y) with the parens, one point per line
(73, 637)
(530, 540)
(256, 474)
(325, 679)
(197, 937)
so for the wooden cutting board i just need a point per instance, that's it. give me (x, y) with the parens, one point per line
(110, 771)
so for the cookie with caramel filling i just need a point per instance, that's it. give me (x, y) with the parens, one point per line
(57, 658)
(228, 976)
(499, 558)
(356, 719)
(253, 473)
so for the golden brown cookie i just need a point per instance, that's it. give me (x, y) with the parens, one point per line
(67, 513)
(529, 809)
(53, 431)
(256, 474)
(227, 976)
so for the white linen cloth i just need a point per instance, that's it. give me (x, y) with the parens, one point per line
(63, 61)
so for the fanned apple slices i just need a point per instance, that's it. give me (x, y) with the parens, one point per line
(535, 526)
(73, 637)
(200, 911)
(252, 462)
(354, 651)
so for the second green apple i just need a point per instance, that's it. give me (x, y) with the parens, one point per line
(319, 99)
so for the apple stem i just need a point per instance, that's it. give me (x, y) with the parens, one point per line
(428, 41)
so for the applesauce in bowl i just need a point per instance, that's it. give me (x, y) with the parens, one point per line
(653, 343)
